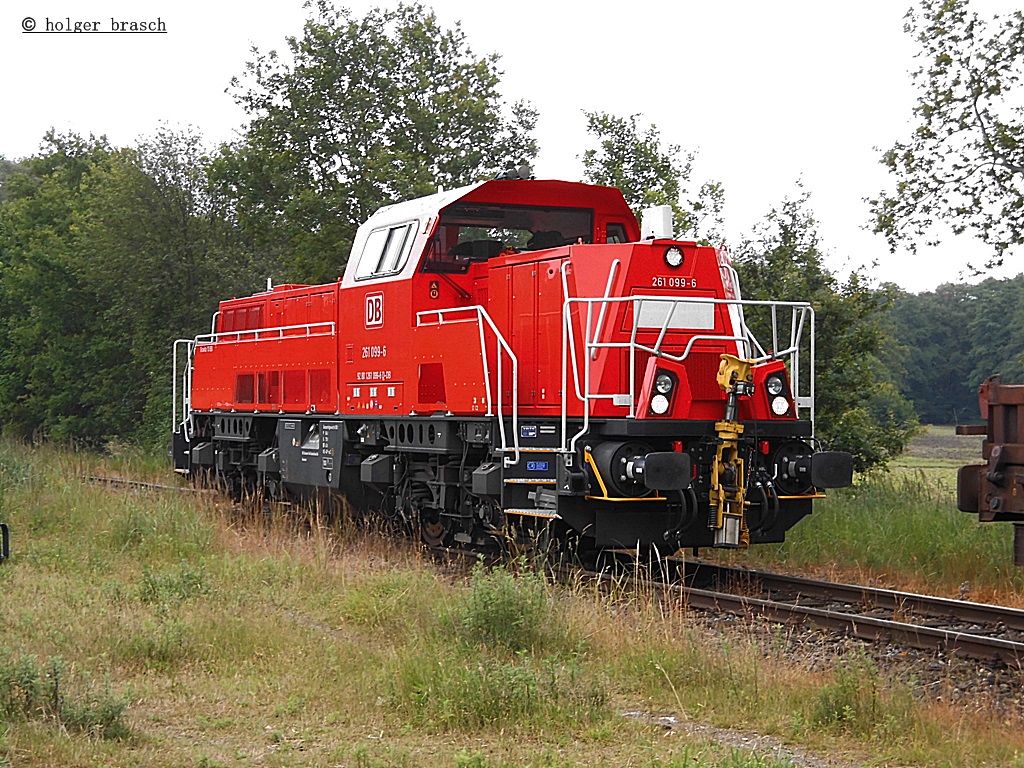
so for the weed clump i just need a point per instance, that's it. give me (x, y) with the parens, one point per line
(29, 691)
(858, 702)
(509, 611)
(173, 585)
(503, 656)
(453, 691)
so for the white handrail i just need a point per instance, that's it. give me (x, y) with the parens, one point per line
(743, 336)
(261, 334)
(186, 387)
(481, 317)
(607, 294)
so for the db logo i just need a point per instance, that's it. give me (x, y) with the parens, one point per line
(374, 317)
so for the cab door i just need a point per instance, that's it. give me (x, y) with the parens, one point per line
(533, 312)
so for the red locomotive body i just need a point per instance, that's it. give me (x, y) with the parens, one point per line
(516, 351)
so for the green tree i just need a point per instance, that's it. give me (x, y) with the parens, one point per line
(47, 318)
(108, 255)
(649, 173)
(996, 331)
(963, 165)
(858, 407)
(157, 250)
(367, 112)
(932, 330)
(8, 169)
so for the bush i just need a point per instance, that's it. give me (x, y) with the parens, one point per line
(31, 692)
(508, 611)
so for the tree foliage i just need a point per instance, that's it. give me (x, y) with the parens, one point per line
(157, 248)
(107, 256)
(963, 165)
(858, 407)
(365, 111)
(648, 174)
(954, 338)
(47, 354)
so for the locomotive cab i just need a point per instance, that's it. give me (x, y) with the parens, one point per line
(510, 354)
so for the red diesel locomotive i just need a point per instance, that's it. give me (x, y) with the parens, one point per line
(512, 353)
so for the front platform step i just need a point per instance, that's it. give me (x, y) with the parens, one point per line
(528, 487)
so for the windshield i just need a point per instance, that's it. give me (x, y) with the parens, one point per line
(475, 232)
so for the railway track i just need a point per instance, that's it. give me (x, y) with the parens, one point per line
(957, 627)
(137, 485)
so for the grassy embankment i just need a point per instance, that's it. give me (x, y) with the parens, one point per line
(903, 528)
(161, 630)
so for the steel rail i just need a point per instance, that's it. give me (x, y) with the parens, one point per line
(906, 603)
(860, 626)
(789, 611)
(142, 486)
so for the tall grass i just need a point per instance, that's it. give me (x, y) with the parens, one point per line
(33, 691)
(902, 526)
(501, 655)
(510, 611)
(227, 638)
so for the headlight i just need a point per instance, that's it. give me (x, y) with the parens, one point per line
(774, 385)
(659, 404)
(663, 384)
(780, 406)
(673, 256)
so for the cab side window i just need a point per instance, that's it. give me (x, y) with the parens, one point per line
(615, 233)
(386, 250)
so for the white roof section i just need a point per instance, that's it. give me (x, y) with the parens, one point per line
(416, 208)
(421, 209)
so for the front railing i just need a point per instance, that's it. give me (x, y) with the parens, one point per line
(665, 314)
(186, 387)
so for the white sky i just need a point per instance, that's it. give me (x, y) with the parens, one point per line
(766, 92)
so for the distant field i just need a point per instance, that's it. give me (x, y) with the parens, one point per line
(937, 453)
(939, 445)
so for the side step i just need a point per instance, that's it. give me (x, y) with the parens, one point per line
(546, 514)
(528, 488)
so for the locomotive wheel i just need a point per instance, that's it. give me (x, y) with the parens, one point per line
(433, 533)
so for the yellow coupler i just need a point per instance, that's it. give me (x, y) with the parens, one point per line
(728, 475)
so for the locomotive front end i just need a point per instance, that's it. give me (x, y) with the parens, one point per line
(689, 432)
